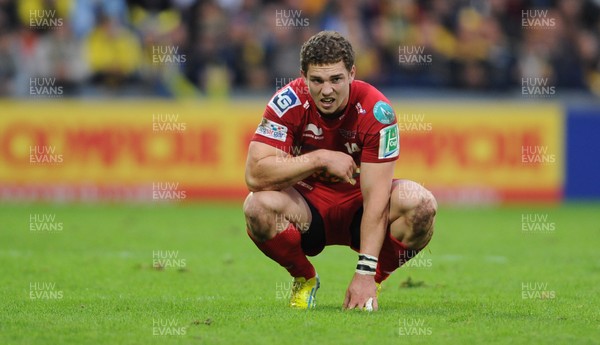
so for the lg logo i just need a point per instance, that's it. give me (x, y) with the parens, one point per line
(284, 101)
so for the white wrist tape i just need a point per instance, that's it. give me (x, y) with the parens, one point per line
(367, 264)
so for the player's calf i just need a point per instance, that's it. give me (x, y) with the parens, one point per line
(271, 228)
(412, 217)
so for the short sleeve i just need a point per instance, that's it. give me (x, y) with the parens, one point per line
(381, 141)
(278, 123)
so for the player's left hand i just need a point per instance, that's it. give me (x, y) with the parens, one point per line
(361, 289)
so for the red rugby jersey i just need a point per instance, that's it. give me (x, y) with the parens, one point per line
(367, 130)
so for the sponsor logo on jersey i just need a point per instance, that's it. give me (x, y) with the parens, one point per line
(272, 130)
(384, 113)
(284, 100)
(389, 142)
(312, 131)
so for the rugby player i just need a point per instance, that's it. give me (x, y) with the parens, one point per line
(320, 172)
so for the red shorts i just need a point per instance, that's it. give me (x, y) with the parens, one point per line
(336, 218)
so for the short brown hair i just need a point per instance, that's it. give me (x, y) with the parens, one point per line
(324, 48)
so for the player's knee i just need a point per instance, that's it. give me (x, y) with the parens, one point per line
(258, 206)
(417, 207)
(262, 202)
(253, 207)
(408, 195)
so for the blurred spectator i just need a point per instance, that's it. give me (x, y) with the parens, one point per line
(61, 56)
(8, 16)
(211, 52)
(8, 66)
(165, 46)
(24, 46)
(84, 14)
(113, 53)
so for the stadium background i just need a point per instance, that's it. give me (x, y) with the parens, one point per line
(497, 101)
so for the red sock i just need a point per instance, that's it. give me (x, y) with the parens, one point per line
(393, 254)
(285, 249)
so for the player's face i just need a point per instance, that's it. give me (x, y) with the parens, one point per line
(329, 86)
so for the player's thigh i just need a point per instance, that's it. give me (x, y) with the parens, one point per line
(278, 206)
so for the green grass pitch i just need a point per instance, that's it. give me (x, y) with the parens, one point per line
(486, 278)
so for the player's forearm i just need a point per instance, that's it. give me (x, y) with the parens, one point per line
(278, 173)
(376, 183)
(372, 231)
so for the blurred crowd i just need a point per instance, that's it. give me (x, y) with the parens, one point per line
(187, 48)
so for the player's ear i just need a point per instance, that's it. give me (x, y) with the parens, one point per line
(352, 73)
(303, 75)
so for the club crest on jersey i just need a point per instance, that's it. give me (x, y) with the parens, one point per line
(284, 100)
(384, 113)
(272, 130)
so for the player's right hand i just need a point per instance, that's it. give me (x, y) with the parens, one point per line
(361, 293)
(339, 164)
